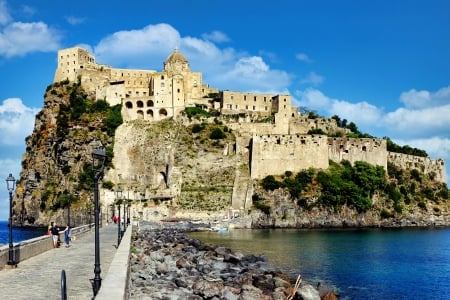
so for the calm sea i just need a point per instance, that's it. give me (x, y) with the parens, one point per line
(19, 234)
(359, 264)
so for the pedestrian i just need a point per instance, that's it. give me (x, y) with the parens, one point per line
(67, 236)
(55, 235)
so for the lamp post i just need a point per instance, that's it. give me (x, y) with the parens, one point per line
(118, 201)
(124, 214)
(10, 184)
(98, 158)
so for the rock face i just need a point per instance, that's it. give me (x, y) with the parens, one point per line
(177, 169)
(166, 264)
(56, 153)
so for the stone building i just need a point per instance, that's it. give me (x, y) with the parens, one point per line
(273, 147)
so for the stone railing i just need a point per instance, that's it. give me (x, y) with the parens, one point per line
(115, 284)
(36, 246)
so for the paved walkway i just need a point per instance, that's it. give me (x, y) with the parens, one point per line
(39, 277)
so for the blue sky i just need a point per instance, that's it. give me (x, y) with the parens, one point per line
(385, 65)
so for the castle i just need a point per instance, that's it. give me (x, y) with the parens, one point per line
(272, 147)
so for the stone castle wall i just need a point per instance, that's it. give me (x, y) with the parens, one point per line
(274, 147)
(425, 165)
(276, 154)
(369, 150)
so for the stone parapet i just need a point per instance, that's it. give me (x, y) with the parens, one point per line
(32, 247)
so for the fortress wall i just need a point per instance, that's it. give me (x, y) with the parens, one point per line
(370, 150)
(282, 104)
(423, 164)
(276, 154)
(302, 124)
(236, 102)
(70, 60)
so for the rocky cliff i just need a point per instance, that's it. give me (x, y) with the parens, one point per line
(184, 168)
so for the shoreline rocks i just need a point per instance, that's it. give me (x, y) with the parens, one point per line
(167, 264)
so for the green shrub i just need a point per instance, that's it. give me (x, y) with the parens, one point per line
(269, 183)
(422, 205)
(108, 185)
(262, 207)
(217, 134)
(197, 128)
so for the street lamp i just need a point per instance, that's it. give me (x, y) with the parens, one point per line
(10, 184)
(124, 215)
(118, 201)
(98, 164)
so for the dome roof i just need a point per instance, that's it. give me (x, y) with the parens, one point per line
(176, 56)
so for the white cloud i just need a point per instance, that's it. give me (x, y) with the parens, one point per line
(222, 68)
(16, 122)
(216, 36)
(361, 113)
(5, 17)
(74, 20)
(419, 123)
(436, 146)
(148, 46)
(18, 39)
(303, 57)
(28, 10)
(421, 99)
(313, 78)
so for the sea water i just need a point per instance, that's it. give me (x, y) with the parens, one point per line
(358, 264)
(19, 234)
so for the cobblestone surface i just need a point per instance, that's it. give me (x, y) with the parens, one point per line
(40, 277)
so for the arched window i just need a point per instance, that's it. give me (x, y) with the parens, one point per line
(150, 103)
(128, 104)
(162, 112)
(140, 104)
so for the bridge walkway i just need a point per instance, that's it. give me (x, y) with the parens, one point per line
(39, 277)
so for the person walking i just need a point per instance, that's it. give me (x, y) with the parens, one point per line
(67, 236)
(55, 235)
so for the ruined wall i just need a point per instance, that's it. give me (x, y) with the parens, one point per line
(301, 124)
(425, 165)
(276, 154)
(370, 150)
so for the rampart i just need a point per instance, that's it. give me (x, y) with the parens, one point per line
(275, 154)
(435, 168)
(370, 150)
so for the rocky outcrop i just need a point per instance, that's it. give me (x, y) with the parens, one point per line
(166, 264)
(285, 213)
